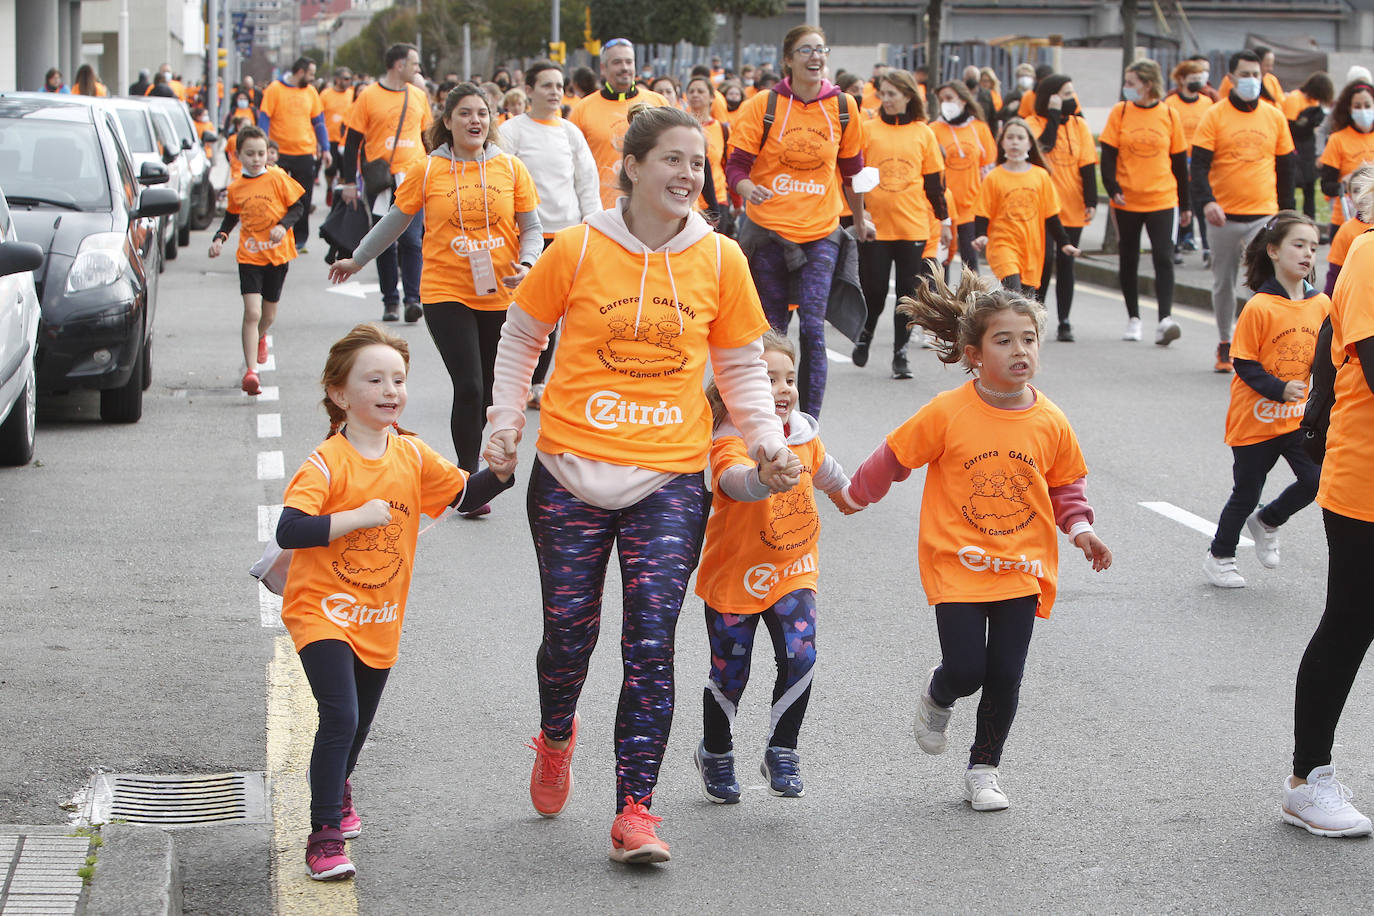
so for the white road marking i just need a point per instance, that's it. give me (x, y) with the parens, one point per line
(269, 393)
(837, 357)
(268, 366)
(353, 289)
(269, 341)
(269, 607)
(269, 426)
(267, 522)
(1184, 517)
(271, 466)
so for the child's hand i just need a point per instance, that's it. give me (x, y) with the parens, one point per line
(1093, 549)
(500, 454)
(277, 233)
(1294, 390)
(980, 243)
(373, 514)
(781, 472)
(216, 247)
(514, 279)
(342, 269)
(841, 503)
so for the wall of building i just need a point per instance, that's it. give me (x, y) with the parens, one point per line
(9, 41)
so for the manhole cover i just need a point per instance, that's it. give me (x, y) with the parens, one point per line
(169, 801)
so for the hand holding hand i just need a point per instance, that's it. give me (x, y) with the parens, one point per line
(782, 471)
(1294, 390)
(373, 514)
(276, 234)
(1093, 549)
(342, 269)
(842, 504)
(501, 454)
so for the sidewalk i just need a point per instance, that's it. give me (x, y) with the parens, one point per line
(43, 870)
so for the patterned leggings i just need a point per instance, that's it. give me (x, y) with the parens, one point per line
(792, 624)
(809, 291)
(659, 541)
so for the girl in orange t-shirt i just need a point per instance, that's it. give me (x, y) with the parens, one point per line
(759, 562)
(270, 202)
(482, 234)
(1350, 145)
(1017, 209)
(1274, 344)
(351, 516)
(1067, 143)
(1352, 228)
(970, 151)
(1004, 468)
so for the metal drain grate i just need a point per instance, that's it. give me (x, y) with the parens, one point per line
(171, 801)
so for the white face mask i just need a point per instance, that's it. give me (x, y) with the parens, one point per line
(1363, 118)
(1204, 76)
(951, 111)
(242, 103)
(1248, 88)
(1025, 82)
(1130, 93)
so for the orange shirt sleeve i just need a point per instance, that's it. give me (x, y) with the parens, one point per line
(1049, 197)
(921, 439)
(1284, 144)
(308, 489)
(1250, 331)
(1206, 135)
(544, 291)
(440, 479)
(1111, 134)
(740, 320)
(1177, 142)
(410, 195)
(747, 127)
(932, 162)
(851, 140)
(526, 195)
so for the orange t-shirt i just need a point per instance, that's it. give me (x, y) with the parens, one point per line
(260, 202)
(291, 109)
(1244, 145)
(757, 552)
(603, 122)
(968, 149)
(1345, 485)
(870, 101)
(1073, 149)
(715, 155)
(1295, 103)
(1281, 335)
(1016, 205)
(356, 588)
(1189, 113)
(336, 105)
(799, 162)
(469, 206)
(1145, 138)
(627, 386)
(987, 525)
(1350, 230)
(1346, 150)
(1027, 106)
(932, 248)
(376, 113)
(903, 155)
(720, 111)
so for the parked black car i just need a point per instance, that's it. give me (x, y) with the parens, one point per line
(73, 191)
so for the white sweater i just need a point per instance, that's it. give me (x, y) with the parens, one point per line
(562, 166)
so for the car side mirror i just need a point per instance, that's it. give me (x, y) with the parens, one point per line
(209, 137)
(16, 257)
(186, 143)
(157, 202)
(170, 155)
(152, 173)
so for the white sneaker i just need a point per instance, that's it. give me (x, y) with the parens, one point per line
(932, 722)
(1322, 806)
(1266, 540)
(1221, 572)
(1132, 329)
(982, 791)
(1166, 332)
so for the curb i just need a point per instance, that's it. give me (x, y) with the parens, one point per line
(136, 873)
(1102, 270)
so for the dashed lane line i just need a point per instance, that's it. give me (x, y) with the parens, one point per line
(269, 426)
(271, 465)
(1184, 517)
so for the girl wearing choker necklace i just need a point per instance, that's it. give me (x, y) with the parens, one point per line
(911, 188)
(970, 152)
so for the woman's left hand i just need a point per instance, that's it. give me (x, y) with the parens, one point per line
(514, 279)
(1093, 549)
(1071, 250)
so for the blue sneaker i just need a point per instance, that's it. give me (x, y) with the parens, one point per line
(782, 768)
(718, 782)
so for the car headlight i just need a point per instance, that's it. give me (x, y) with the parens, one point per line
(99, 262)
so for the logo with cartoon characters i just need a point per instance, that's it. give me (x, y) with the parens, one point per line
(256, 214)
(476, 212)
(644, 341)
(805, 149)
(998, 489)
(370, 558)
(1147, 142)
(1248, 145)
(794, 520)
(896, 174)
(1022, 205)
(1294, 360)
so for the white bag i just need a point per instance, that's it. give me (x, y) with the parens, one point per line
(275, 563)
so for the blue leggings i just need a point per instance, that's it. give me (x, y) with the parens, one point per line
(792, 624)
(659, 541)
(984, 646)
(809, 291)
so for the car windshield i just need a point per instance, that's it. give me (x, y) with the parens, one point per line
(135, 124)
(56, 162)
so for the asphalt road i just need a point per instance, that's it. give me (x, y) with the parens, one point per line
(1143, 768)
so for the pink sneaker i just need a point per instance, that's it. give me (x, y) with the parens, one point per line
(349, 824)
(251, 384)
(262, 349)
(325, 858)
(551, 780)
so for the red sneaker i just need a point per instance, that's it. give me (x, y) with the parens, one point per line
(251, 383)
(262, 349)
(325, 858)
(551, 780)
(350, 825)
(633, 840)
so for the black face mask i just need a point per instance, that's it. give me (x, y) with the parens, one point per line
(732, 104)
(972, 85)
(1195, 85)
(1069, 107)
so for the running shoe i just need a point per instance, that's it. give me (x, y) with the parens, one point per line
(981, 789)
(350, 824)
(932, 721)
(1167, 331)
(782, 768)
(325, 859)
(860, 354)
(1224, 357)
(1222, 572)
(1322, 806)
(551, 780)
(1065, 333)
(414, 312)
(1132, 331)
(262, 349)
(391, 311)
(633, 839)
(900, 367)
(1266, 540)
(717, 771)
(251, 384)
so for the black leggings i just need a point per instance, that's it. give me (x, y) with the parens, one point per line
(347, 693)
(876, 260)
(1054, 258)
(467, 339)
(1159, 224)
(1252, 464)
(1309, 199)
(303, 168)
(967, 253)
(1338, 647)
(984, 645)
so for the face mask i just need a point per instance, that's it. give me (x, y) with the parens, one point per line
(1195, 85)
(1205, 76)
(1248, 88)
(242, 103)
(1069, 107)
(1130, 93)
(972, 85)
(1363, 118)
(951, 111)
(1025, 82)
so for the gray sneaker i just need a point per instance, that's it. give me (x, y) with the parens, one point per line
(932, 722)
(391, 311)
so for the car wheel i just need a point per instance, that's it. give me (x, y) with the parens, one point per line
(170, 252)
(18, 432)
(184, 234)
(147, 381)
(125, 403)
(202, 215)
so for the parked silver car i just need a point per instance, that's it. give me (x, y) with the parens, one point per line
(178, 177)
(193, 151)
(142, 140)
(19, 317)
